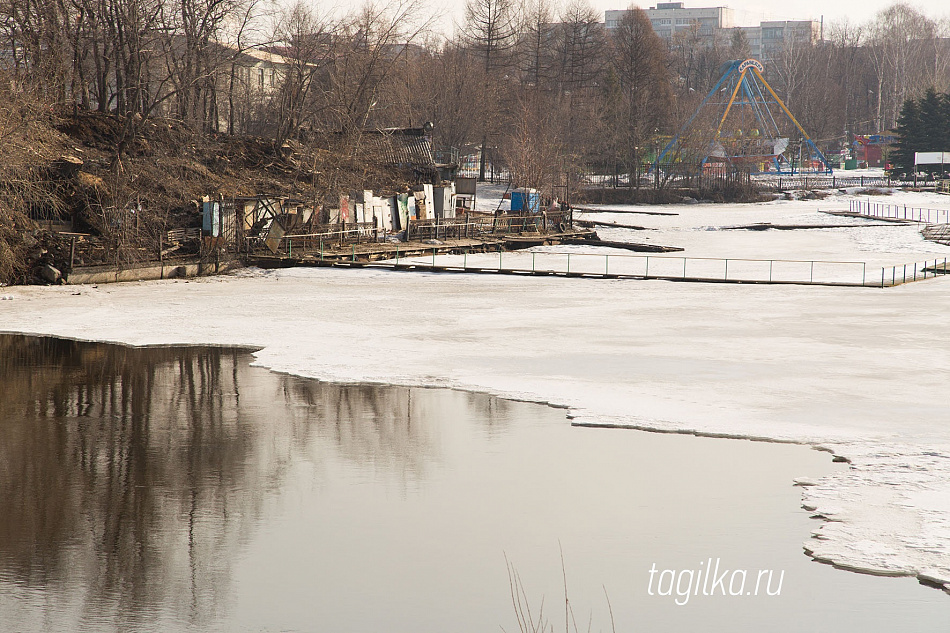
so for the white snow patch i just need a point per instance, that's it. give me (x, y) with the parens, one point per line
(860, 372)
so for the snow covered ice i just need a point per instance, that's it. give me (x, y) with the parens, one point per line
(861, 372)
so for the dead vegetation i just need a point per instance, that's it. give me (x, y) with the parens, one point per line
(29, 145)
(873, 191)
(83, 171)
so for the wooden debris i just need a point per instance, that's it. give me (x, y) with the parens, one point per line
(615, 210)
(614, 225)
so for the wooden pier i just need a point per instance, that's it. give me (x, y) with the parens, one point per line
(507, 255)
(379, 251)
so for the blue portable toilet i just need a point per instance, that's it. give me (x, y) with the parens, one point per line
(525, 199)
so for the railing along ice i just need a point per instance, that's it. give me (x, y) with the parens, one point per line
(701, 269)
(915, 271)
(899, 212)
(651, 266)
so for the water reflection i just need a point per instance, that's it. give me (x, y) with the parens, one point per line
(183, 490)
(129, 477)
(124, 470)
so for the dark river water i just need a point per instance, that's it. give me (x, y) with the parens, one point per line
(181, 489)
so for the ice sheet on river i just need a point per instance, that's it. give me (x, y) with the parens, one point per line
(862, 372)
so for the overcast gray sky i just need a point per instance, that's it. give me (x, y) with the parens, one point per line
(855, 10)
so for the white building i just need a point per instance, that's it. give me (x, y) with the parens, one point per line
(782, 34)
(766, 38)
(668, 18)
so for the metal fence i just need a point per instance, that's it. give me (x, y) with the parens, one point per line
(794, 182)
(899, 212)
(479, 225)
(939, 233)
(682, 175)
(708, 269)
(698, 269)
(333, 236)
(915, 271)
(449, 228)
(493, 173)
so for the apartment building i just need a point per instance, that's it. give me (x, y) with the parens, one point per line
(766, 38)
(668, 18)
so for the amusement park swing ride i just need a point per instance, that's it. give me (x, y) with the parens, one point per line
(737, 128)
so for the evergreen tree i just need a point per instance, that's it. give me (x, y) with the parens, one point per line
(923, 126)
(933, 122)
(943, 123)
(911, 135)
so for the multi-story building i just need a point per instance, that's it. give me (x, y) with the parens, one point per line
(780, 35)
(766, 39)
(669, 18)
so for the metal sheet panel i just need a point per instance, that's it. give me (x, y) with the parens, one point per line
(465, 185)
(394, 213)
(272, 241)
(448, 202)
(384, 216)
(932, 158)
(438, 202)
(402, 200)
(211, 218)
(345, 208)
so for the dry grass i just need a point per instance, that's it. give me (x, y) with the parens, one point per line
(159, 167)
(29, 143)
(873, 191)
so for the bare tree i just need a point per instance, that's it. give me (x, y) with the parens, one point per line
(367, 51)
(739, 45)
(899, 39)
(845, 41)
(534, 151)
(195, 56)
(306, 44)
(491, 29)
(579, 47)
(534, 48)
(581, 53)
(642, 68)
(453, 91)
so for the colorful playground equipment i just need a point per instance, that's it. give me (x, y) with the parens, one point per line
(742, 124)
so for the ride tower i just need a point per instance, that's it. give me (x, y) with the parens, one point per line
(743, 125)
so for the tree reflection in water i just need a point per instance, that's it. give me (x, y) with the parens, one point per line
(130, 477)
